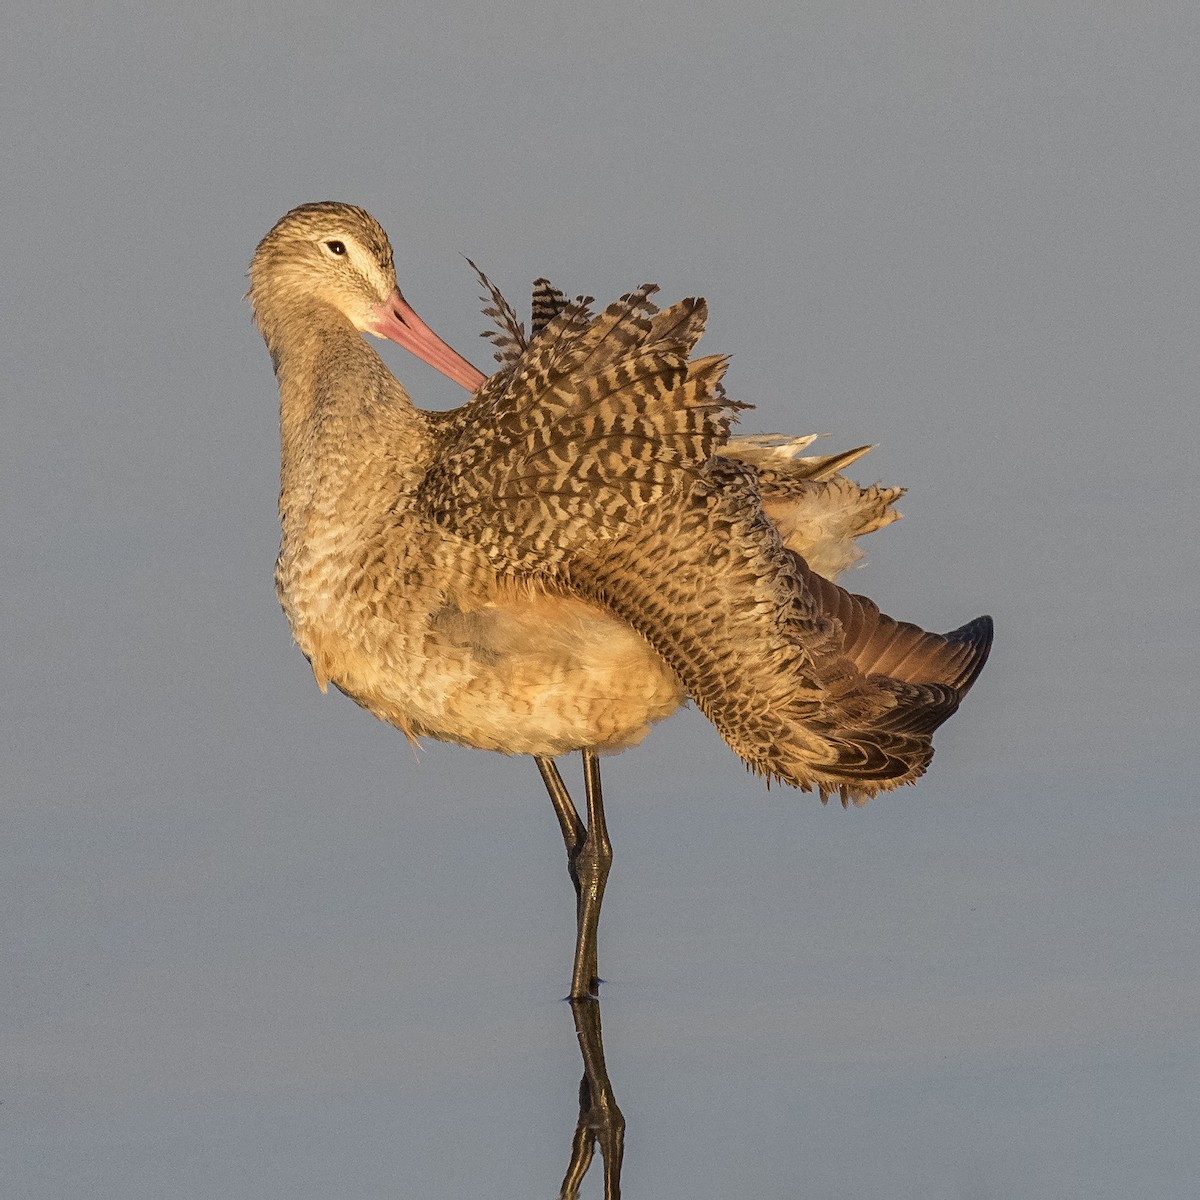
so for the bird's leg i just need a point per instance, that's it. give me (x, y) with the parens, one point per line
(589, 856)
(573, 831)
(600, 1120)
(591, 865)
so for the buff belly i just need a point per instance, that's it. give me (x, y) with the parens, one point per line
(539, 673)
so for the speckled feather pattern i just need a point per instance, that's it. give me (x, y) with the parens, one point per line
(558, 563)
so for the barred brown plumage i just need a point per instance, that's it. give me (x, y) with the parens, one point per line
(566, 558)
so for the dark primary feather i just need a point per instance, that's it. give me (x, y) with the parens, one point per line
(509, 335)
(547, 303)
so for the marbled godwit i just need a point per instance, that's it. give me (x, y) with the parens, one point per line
(566, 558)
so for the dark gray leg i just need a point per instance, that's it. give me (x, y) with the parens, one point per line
(572, 827)
(592, 865)
(589, 857)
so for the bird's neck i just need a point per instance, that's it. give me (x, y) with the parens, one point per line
(340, 409)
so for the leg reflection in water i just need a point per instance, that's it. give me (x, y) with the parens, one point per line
(600, 1120)
(589, 854)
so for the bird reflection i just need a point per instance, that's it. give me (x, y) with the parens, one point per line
(601, 1122)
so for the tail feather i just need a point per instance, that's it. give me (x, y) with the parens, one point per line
(880, 645)
(818, 511)
(975, 642)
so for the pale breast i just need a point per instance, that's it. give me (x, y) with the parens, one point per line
(425, 643)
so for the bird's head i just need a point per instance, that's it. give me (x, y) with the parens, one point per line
(339, 255)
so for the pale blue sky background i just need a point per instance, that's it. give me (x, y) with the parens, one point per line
(251, 948)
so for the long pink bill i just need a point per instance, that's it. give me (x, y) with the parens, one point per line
(396, 321)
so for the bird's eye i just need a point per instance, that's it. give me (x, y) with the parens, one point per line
(335, 247)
